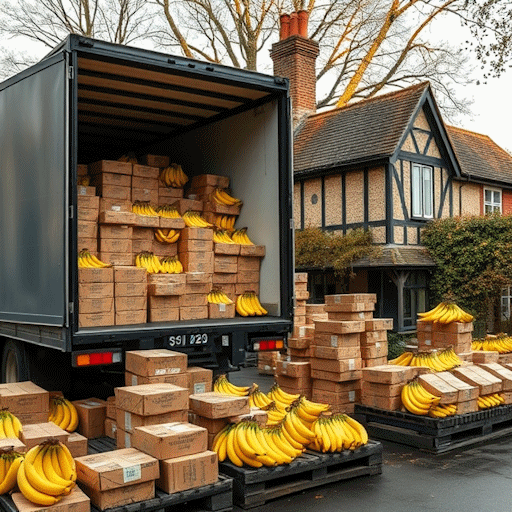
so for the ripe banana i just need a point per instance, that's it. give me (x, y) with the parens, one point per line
(220, 196)
(445, 313)
(144, 208)
(226, 222)
(437, 360)
(150, 262)
(492, 400)
(240, 237)
(218, 297)
(88, 260)
(10, 425)
(9, 463)
(221, 236)
(413, 401)
(171, 265)
(170, 237)
(222, 385)
(248, 304)
(168, 211)
(195, 220)
(173, 176)
(63, 413)
(501, 344)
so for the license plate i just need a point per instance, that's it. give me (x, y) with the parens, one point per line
(188, 340)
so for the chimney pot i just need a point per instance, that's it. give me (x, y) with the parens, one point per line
(303, 17)
(294, 24)
(285, 26)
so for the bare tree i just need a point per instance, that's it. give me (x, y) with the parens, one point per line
(45, 23)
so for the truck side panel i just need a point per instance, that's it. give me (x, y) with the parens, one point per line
(33, 230)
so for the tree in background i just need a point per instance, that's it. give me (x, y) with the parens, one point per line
(474, 261)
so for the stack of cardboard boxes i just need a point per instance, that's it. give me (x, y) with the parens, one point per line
(441, 336)
(96, 297)
(130, 295)
(294, 377)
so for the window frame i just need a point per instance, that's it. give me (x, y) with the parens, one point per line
(421, 191)
(491, 203)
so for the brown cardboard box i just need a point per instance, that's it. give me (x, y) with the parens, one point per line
(87, 229)
(497, 382)
(183, 205)
(149, 399)
(75, 501)
(322, 352)
(505, 374)
(127, 421)
(466, 392)
(135, 493)
(156, 160)
(167, 196)
(247, 277)
(116, 258)
(166, 284)
(336, 365)
(221, 311)
(146, 234)
(123, 438)
(255, 251)
(115, 192)
(77, 444)
(35, 434)
(485, 356)
(226, 249)
(170, 440)
(188, 472)
(24, 398)
(112, 166)
(116, 217)
(337, 317)
(473, 378)
(146, 171)
(147, 221)
(350, 298)
(139, 246)
(383, 390)
(96, 290)
(373, 337)
(88, 243)
(87, 214)
(110, 428)
(378, 350)
(192, 245)
(193, 299)
(241, 288)
(167, 223)
(149, 195)
(197, 261)
(439, 387)
(91, 415)
(328, 397)
(335, 387)
(131, 317)
(202, 287)
(96, 319)
(389, 374)
(223, 264)
(130, 290)
(178, 379)
(249, 263)
(306, 331)
(224, 280)
(120, 231)
(117, 468)
(299, 343)
(163, 314)
(200, 380)
(466, 407)
(96, 275)
(336, 376)
(375, 361)
(212, 405)
(145, 182)
(331, 327)
(193, 312)
(388, 403)
(154, 362)
(189, 233)
(294, 383)
(88, 202)
(291, 369)
(212, 426)
(131, 303)
(213, 180)
(114, 245)
(108, 204)
(350, 307)
(110, 178)
(12, 443)
(111, 407)
(103, 305)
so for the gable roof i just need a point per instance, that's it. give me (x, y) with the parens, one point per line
(480, 157)
(367, 132)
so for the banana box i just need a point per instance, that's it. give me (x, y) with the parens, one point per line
(155, 160)
(214, 405)
(91, 417)
(75, 501)
(77, 444)
(146, 171)
(12, 443)
(178, 379)
(155, 362)
(200, 380)
(36, 433)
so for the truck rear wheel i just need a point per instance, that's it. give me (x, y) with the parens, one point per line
(14, 362)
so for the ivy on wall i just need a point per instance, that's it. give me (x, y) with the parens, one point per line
(474, 260)
(315, 248)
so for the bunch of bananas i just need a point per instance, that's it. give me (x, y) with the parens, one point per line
(257, 398)
(492, 400)
(223, 386)
(63, 413)
(247, 443)
(443, 410)
(221, 236)
(10, 425)
(280, 397)
(417, 400)
(445, 313)
(170, 237)
(9, 464)
(275, 414)
(240, 237)
(225, 222)
(195, 220)
(129, 157)
(336, 433)
(88, 260)
(168, 212)
(248, 304)
(171, 265)
(218, 297)
(47, 473)
(144, 208)
(220, 196)
(173, 176)
(84, 181)
(501, 344)
(437, 360)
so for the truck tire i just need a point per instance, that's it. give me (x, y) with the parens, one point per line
(14, 362)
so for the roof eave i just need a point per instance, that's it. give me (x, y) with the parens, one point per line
(314, 172)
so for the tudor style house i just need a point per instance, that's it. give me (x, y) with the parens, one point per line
(388, 164)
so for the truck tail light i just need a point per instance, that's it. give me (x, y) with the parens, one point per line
(81, 359)
(268, 344)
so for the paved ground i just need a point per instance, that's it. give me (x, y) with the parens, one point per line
(470, 480)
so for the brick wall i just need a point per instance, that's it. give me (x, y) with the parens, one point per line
(506, 202)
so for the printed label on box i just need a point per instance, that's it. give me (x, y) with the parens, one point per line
(377, 345)
(127, 440)
(134, 380)
(127, 420)
(302, 331)
(116, 208)
(166, 371)
(199, 387)
(361, 315)
(222, 307)
(334, 341)
(351, 396)
(428, 342)
(337, 299)
(177, 427)
(351, 364)
(132, 473)
(90, 404)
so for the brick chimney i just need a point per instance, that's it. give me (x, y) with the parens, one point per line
(294, 57)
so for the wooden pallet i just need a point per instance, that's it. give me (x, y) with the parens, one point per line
(254, 487)
(437, 435)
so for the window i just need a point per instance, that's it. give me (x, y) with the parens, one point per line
(506, 299)
(415, 298)
(422, 191)
(492, 200)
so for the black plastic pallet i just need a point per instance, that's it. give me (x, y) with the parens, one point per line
(437, 435)
(254, 487)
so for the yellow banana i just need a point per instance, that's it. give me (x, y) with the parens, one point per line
(32, 494)
(8, 480)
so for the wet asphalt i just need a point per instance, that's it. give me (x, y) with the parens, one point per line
(477, 478)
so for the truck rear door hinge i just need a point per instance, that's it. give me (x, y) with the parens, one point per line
(71, 306)
(71, 72)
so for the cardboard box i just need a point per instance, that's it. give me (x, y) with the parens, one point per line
(350, 307)
(212, 405)
(116, 258)
(383, 390)
(147, 221)
(505, 374)
(350, 298)
(87, 229)
(96, 319)
(299, 343)
(123, 438)
(188, 472)
(170, 440)
(467, 407)
(294, 383)
(200, 380)
(91, 415)
(332, 327)
(110, 428)
(131, 303)
(388, 403)
(485, 356)
(111, 498)
(131, 317)
(13, 444)
(189, 233)
(111, 166)
(111, 407)
(117, 218)
(378, 350)
(214, 180)
(197, 262)
(115, 192)
(373, 337)
(131, 290)
(75, 501)
(146, 171)
(156, 160)
(167, 195)
(466, 392)
(221, 311)
(335, 376)
(128, 421)
(321, 352)
(328, 397)
(223, 264)
(390, 374)
(192, 245)
(178, 379)
(167, 223)
(110, 178)
(473, 378)
(291, 369)
(255, 251)
(109, 204)
(96, 275)
(155, 362)
(224, 280)
(114, 469)
(163, 314)
(166, 284)
(96, 290)
(212, 426)
(114, 245)
(115, 231)
(439, 387)
(100, 305)
(379, 324)
(146, 182)
(375, 361)
(88, 202)
(336, 365)
(193, 312)
(149, 399)
(350, 317)
(24, 398)
(35, 434)
(77, 444)
(87, 214)
(139, 246)
(149, 195)
(142, 233)
(193, 299)
(247, 277)
(226, 249)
